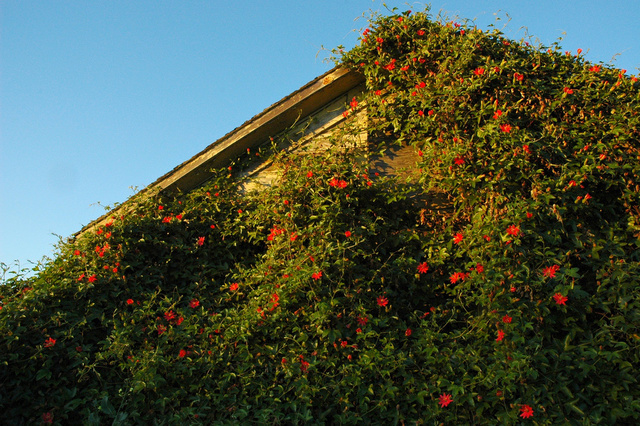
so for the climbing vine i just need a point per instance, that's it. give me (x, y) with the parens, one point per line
(340, 295)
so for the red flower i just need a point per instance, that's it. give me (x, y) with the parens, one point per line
(309, 174)
(420, 32)
(333, 182)
(506, 319)
(194, 303)
(478, 71)
(92, 278)
(317, 275)
(182, 353)
(497, 114)
(347, 234)
(560, 299)
(595, 68)
(423, 268)
(513, 230)
(362, 320)
(201, 241)
(458, 161)
(382, 301)
(550, 271)
(76, 253)
(444, 400)
(408, 332)
(568, 91)
(47, 418)
(161, 329)
(529, 215)
(526, 411)
(506, 128)
(457, 238)
(354, 102)
(129, 301)
(420, 113)
(500, 336)
(233, 287)
(517, 76)
(479, 268)
(169, 315)
(304, 365)
(49, 343)
(342, 184)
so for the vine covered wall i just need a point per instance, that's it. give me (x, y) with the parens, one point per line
(340, 295)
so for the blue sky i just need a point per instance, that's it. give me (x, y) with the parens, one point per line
(97, 97)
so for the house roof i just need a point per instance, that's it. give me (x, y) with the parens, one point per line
(273, 120)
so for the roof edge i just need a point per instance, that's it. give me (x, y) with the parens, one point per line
(273, 120)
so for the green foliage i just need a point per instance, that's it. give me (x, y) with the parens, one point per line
(338, 296)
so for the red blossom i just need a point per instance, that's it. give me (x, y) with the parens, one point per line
(458, 160)
(182, 353)
(423, 268)
(478, 71)
(347, 234)
(518, 77)
(513, 230)
(497, 114)
(595, 68)
(445, 399)
(382, 301)
(526, 411)
(92, 278)
(506, 128)
(457, 238)
(169, 315)
(407, 332)
(47, 418)
(49, 343)
(317, 275)
(233, 287)
(129, 301)
(304, 365)
(500, 336)
(506, 319)
(560, 299)
(550, 271)
(309, 174)
(194, 303)
(362, 320)
(201, 241)
(568, 91)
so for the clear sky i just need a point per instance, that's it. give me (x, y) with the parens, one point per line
(97, 97)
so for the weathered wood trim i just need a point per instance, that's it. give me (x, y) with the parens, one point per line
(273, 120)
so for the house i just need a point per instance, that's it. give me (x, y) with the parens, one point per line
(308, 115)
